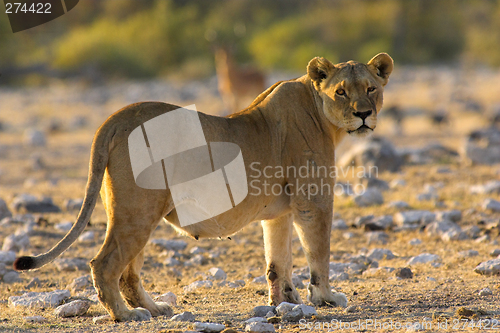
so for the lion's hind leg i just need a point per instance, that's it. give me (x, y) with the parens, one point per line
(134, 293)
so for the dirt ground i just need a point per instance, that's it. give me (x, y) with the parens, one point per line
(436, 295)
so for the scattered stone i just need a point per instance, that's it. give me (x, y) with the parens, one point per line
(415, 241)
(439, 228)
(379, 254)
(490, 187)
(495, 253)
(423, 258)
(102, 319)
(377, 237)
(383, 222)
(197, 260)
(169, 244)
(258, 327)
(297, 282)
(273, 319)
(414, 217)
(485, 292)
(73, 204)
(217, 273)
(34, 138)
(170, 298)
(455, 235)
(35, 282)
(171, 262)
(11, 277)
(72, 309)
(209, 327)
(71, 264)
(339, 225)
(431, 279)
(490, 267)
(451, 215)
(307, 311)
(31, 204)
(7, 257)
(397, 183)
(39, 300)
(198, 284)
(292, 315)
(17, 242)
(256, 320)
(263, 310)
(35, 319)
(80, 283)
(64, 226)
(472, 231)
(492, 205)
(404, 273)
(468, 253)
(284, 307)
(236, 284)
(260, 280)
(4, 210)
(370, 197)
(348, 235)
(376, 183)
(88, 236)
(483, 146)
(184, 316)
(338, 276)
(197, 250)
(482, 239)
(374, 152)
(360, 221)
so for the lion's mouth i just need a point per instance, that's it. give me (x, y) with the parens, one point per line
(361, 129)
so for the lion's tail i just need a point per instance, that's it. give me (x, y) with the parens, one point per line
(98, 162)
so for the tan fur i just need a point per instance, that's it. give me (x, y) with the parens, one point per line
(238, 86)
(292, 124)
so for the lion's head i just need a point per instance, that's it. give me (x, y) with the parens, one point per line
(352, 92)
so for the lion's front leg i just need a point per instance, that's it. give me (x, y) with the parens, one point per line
(313, 226)
(278, 245)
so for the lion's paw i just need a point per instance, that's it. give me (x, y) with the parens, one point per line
(137, 314)
(162, 309)
(328, 298)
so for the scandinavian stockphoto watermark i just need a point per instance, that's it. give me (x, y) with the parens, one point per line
(205, 178)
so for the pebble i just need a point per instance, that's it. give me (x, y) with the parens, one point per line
(293, 315)
(379, 254)
(217, 273)
(35, 282)
(377, 237)
(490, 267)
(491, 205)
(35, 319)
(73, 204)
(209, 327)
(362, 220)
(485, 292)
(482, 239)
(32, 204)
(236, 284)
(348, 235)
(197, 260)
(39, 300)
(376, 183)
(415, 241)
(19, 241)
(404, 273)
(4, 210)
(488, 188)
(80, 283)
(11, 277)
(34, 138)
(88, 236)
(307, 311)
(169, 244)
(64, 226)
(472, 231)
(284, 307)
(398, 205)
(101, 319)
(72, 309)
(397, 183)
(256, 320)
(370, 197)
(454, 234)
(171, 262)
(170, 298)
(198, 284)
(439, 228)
(197, 250)
(263, 310)
(338, 276)
(339, 225)
(468, 253)
(7, 257)
(423, 258)
(260, 280)
(259, 327)
(184, 316)
(451, 215)
(495, 253)
(71, 264)
(414, 217)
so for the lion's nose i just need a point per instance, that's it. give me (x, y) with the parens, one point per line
(363, 115)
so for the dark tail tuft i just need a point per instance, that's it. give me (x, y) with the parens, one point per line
(24, 263)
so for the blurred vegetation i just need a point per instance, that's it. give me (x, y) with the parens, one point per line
(129, 38)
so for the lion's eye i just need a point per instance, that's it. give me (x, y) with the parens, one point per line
(371, 89)
(340, 92)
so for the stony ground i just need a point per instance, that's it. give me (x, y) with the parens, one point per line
(442, 228)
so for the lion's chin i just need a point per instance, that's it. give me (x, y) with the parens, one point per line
(361, 132)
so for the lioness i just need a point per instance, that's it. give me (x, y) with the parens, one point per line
(292, 124)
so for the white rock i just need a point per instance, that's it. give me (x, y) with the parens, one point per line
(11, 277)
(414, 217)
(397, 183)
(293, 315)
(492, 205)
(468, 253)
(102, 319)
(338, 276)
(379, 254)
(170, 298)
(71, 264)
(88, 236)
(64, 226)
(217, 273)
(454, 234)
(197, 250)
(398, 205)
(198, 284)
(72, 309)
(339, 225)
(284, 307)
(488, 188)
(451, 215)
(260, 280)
(439, 228)
(377, 237)
(263, 310)
(34, 138)
(490, 267)
(260, 327)
(423, 258)
(307, 311)
(171, 262)
(17, 242)
(370, 197)
(80, 283)
(485, 292)
(184, 316)
(35, 319)
(256, 320)
(7, 257)
(208, 327)
(39, 300)
(348, 235)
(169, 244)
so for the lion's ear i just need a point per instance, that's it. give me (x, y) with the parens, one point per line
(319, 69)
(382, 65)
